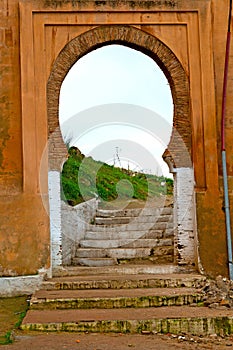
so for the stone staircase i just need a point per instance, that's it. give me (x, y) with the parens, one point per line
(125, 303)
(126, 280)
(120, 236)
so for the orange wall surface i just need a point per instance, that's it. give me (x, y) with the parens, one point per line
(24, 222)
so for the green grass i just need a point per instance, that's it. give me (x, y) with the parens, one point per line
(12, 312)
(6, 339)
(84, 178)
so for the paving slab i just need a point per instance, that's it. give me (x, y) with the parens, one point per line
(48, 316)
(120, 281)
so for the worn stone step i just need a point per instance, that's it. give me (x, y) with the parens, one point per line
(130, 243)
(114, 298)
(117, 253)
(134, 212)
(105, 213)
(153, 254)
(155, 234)
(146, 243)
(164, 218)
(198, 321)
(112, 235)
(95, 261)
(127, 281)
(132, 226)
(167, 233)
(135, 269)
(112, 220)
(125, 220)
(121, 258)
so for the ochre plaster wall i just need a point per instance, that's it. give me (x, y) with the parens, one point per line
(24, 233)
(32, 34)
(210, 204)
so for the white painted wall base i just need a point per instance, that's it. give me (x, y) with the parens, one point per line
(55, 217)
(67, 224)
(185, 217)
(20, 285)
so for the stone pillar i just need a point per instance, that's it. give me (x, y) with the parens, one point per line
(184, 213)
(55, 217)
(184, 216)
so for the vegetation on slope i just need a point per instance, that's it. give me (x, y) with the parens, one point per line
(84, 178)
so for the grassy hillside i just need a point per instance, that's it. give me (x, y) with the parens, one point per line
(84, 178)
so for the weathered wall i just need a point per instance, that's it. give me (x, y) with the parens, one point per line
(195, 31)
(10, 105)
(210, 204)
(24, 234)
(74, 225)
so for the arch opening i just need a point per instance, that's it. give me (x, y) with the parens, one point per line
(98, 103)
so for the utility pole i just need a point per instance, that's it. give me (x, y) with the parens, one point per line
(117, 157)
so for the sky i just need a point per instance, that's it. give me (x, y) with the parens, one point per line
(116, 105)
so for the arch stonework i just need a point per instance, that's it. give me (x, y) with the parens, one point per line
(180, 143)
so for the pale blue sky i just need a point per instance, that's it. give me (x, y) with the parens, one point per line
(116, 78)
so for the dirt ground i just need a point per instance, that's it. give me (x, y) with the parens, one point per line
(75, 341)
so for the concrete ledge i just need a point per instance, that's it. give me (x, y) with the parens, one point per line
(61, 300)
(124, 269)
(198, 326)
(122, 281)
(20, 285)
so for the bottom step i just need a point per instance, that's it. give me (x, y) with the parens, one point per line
(118, 269)
(96, 262)
(200, 321)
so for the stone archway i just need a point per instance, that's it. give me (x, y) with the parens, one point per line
(179, 148)
(139, 40)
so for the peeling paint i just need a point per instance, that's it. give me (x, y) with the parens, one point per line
(4, 126)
